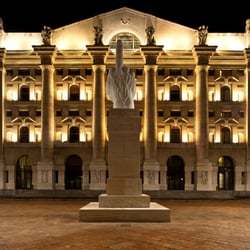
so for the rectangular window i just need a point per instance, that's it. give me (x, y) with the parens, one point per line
(6, 176)
(139, 72)
(24, 113)
(74, 72)
(37, 72)
(226, 114)
(56, 176)
(141, 113)
(107, 113)
(38, 113)
(243, 178)
(8, 113)
(190, 72)
(88, 113)
(161, 72)
(9, 72)
(211, 114)
(160, 113)
(211, 72)
(241, 114)
(23, 72)
(191, 113)
(175, 113)
(141, 175)
(59, 72)
(59, 113)
(73, 112)
(175, 72)
(88, 72)
(192, 177)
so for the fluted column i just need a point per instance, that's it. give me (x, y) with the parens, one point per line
(45, 166)
(247, 112)
(2, 115)
(151, 165)
(98, 165)
(204, 171)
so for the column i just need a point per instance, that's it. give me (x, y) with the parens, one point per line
(2, 116)
(204, 168)
(151, 167)
(98, 165)
(45, 166)
(247, 115)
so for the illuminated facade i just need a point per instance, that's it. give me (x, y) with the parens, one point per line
(193, 100)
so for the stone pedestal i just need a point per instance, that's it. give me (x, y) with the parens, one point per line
(124, 200)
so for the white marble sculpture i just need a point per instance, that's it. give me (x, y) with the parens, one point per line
(121, 86)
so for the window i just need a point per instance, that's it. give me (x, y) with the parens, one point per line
(161, 113)
(9, 72)
(139, 72)
(190, 72)
(24, 135)
(241, 114)
(74, 134)
(56, 176)
(8, 113)
(129, 41)
(24, 113)
(59, 72)
(211, 72)
(175, 113)
(74, 72)
(175, 94)
(73, 112)
(24, 93)
(192, 177)
(107, 113)
(226, 114)
(88, 72)
(74, 93)
(6, 176)
(38, 112)
(175, 72)
(243, 178)
(141, 113)
(191, 113)
(59, 113)
(225, 94)
(211, 114)
(175, 135)
(88, 113)
(225, 135)
(37, 72)
(24, 72)
(161, 72)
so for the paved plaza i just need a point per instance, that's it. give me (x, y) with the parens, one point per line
(53, 224)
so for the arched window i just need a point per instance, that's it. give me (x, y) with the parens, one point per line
(225, 94)
(225, 173)
(24, 134)
(24, 93)
(225, 135)
(175, 94)
(175, 135)
(175, 173)
(74, 93)
(23, 173)
(74, 134)
(129, 41)
(73, 172)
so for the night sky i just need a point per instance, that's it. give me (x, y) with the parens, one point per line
(30, 16)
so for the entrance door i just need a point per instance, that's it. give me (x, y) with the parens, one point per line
(23, 173)
(225, 173)
(73, 172)
(175, 173)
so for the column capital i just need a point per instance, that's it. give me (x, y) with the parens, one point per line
(97, 53)
(202, 54)
(46, 52)
(2, 56)
(151, 53)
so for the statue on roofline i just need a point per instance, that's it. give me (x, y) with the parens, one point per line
(202, 35)
(46, 34)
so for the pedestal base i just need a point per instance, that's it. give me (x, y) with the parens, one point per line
(93, 213)
(124, 201)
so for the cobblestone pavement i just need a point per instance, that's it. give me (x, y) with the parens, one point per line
(53, 224)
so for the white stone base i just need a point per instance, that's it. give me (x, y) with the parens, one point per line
(93, 213)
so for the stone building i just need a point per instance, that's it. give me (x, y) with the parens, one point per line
(192, 95)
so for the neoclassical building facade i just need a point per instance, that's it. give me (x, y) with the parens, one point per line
(193, 101)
